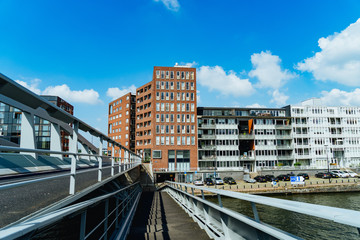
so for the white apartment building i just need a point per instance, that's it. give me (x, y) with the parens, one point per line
(323, 135)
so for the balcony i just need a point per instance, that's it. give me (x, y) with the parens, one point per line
(284, 147)
(207, 147)
(287, 136)
(283, 127)
(207, 136)
(246, 136)
(207, 126)
(285, 157)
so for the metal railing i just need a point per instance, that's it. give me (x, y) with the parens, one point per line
(127, 164)
(222, 223)
(121, 213)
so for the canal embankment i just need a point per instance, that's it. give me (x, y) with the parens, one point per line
(313, 185)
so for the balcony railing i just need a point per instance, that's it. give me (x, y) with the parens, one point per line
(246, 136)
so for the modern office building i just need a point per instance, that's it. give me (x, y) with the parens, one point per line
(42, 127)
(166, 129)
(244, 138)
(10, 125)
(121, 122)
(325, 135)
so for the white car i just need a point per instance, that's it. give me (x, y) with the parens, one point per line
(340, 173)
(198, 182)
(351, 173)
(219, 181)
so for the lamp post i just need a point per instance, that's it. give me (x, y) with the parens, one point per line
(327, 161)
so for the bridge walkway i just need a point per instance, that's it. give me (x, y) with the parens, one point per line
(159, 217)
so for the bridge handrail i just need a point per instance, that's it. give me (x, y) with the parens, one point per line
(26, 227)
(339, 215)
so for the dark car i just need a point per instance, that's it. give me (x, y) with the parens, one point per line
(322, 175)
(270, 178)
(333, 175)
(283, 177)
(304, 175)
(260, 178)
(229, 180)
(208, 181)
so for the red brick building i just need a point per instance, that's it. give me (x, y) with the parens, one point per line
(121, 122)
(166, 121)
(166, 129)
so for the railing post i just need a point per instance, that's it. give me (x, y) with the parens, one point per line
(117, 213)
(112, 161)
(72, 175)
(219, 199)
(100, 159)
(83, 225)
(256, 214)
(106, 214)
(55, 140)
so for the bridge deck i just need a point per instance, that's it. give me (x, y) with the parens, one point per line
(159, 217)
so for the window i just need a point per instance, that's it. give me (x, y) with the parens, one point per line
(156, 153)
(157, 74)
(157, 84)
(172, 140)
(178, 85)
(178, 107)
(157, 106)
(162, 74)
(162, 140)
(178, 140)
(172, 74)
(178, 75)
(182, 75)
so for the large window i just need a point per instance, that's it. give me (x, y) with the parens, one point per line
(156, 153)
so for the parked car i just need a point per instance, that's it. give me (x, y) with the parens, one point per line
(270, 178)
(250, 180)
(218, 181)
(198, 182)
(323, 175)
(333, 175)
(260, 178)
(209, 181)
(283, 177)
(304, 175)
(351, 173)
(229, 180)
(341, 173)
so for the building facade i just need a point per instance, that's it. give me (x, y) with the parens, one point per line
(10, 125)
(325, 135)
(121, 122)
(166, 129)
(244, 138)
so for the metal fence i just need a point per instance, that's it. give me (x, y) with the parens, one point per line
(223, 223)
(122, 166)
(118, 212)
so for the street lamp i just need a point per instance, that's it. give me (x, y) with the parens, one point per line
(327, 161)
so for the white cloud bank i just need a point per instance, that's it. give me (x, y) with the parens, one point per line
(279, 98)
(338, 97)
(266, 68)
(339, 58)
(87, 96)
(215, 78)
(172, 5)
(115, 92)
(255, 105)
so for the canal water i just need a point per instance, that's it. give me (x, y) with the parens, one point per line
(301, 225)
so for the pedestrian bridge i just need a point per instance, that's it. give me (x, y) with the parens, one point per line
(85, 194)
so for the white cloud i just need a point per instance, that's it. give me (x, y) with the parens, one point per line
(88, 96)
(256, 105)
(33, 86)
(215, 78)
(339, 58)
(192, 64)
(115, 93)
(198, 100)
(279, 98)
(266, 68)
(172, 5)
(338, 97)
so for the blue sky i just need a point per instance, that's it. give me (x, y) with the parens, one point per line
(248, 53)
